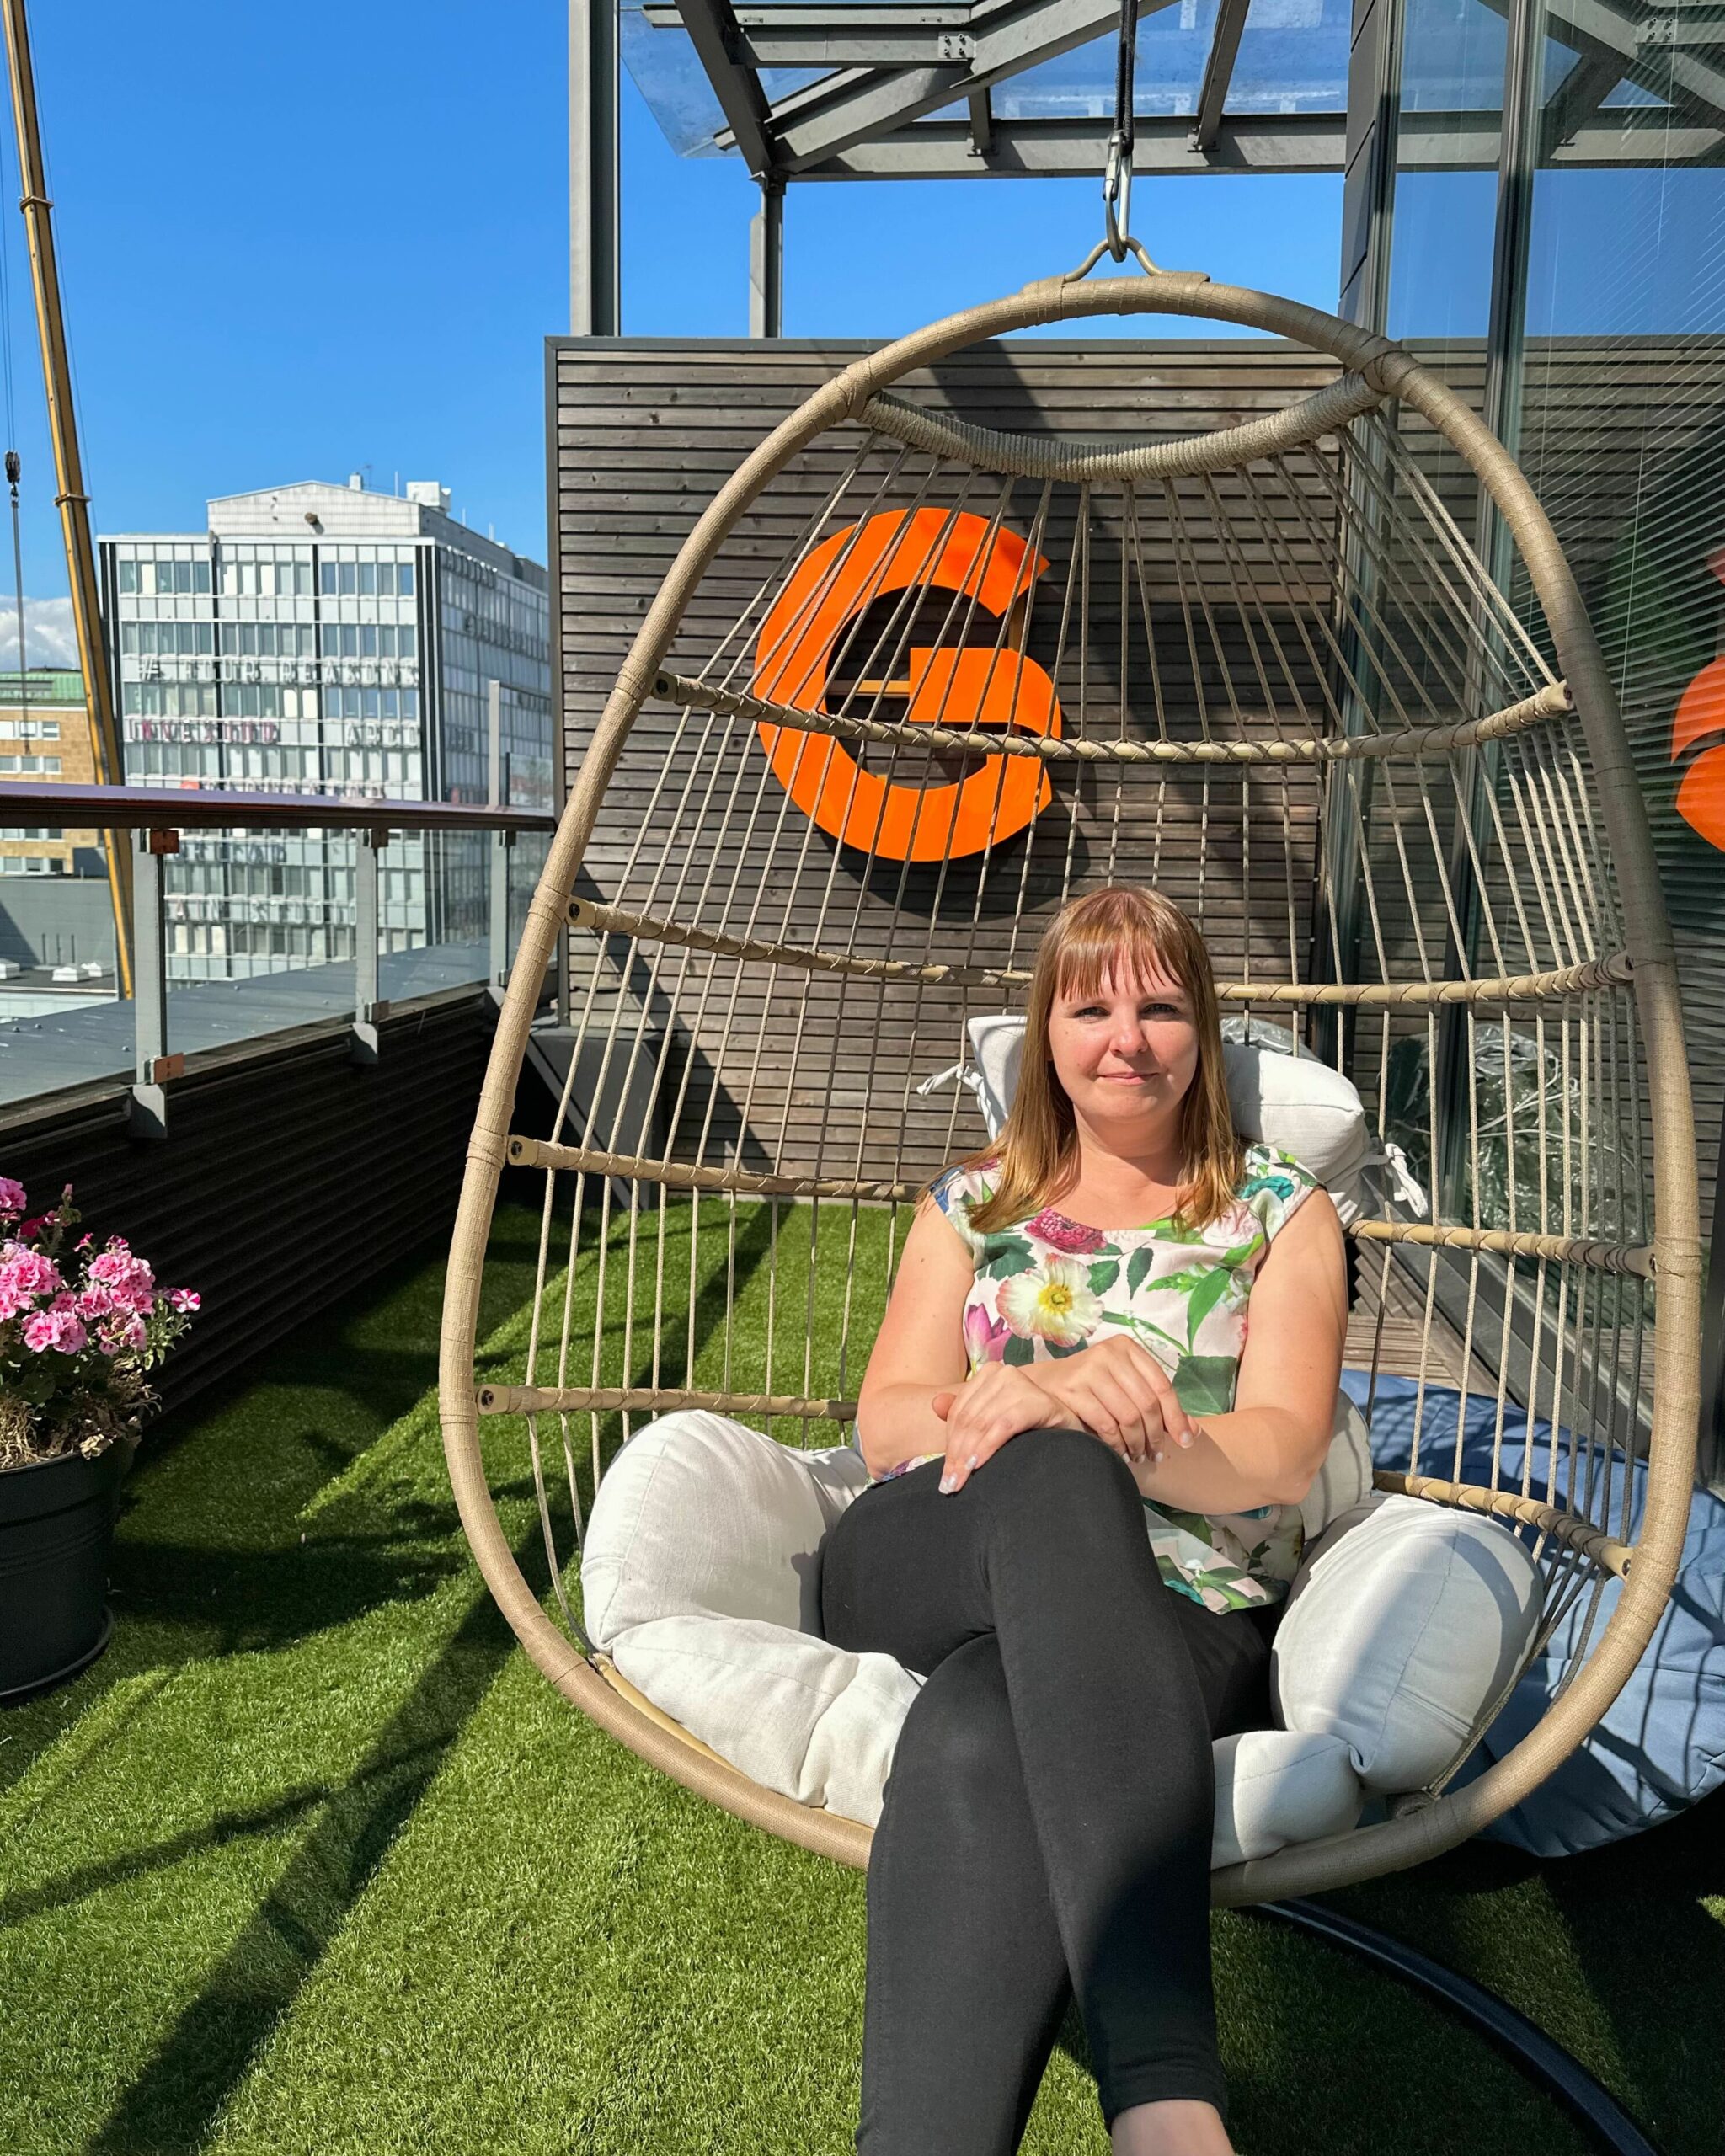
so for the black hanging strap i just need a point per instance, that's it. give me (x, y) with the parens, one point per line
(1117, 178)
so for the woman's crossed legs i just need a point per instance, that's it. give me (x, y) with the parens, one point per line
(1047, 1821)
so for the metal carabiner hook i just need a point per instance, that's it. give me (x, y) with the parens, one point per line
(1116, 197)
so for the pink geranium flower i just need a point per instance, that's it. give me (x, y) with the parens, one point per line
(12, 1197)
(24, 1276)
(128, 1281)
(119, 1331)
(1071, 1236)
(58, 1329)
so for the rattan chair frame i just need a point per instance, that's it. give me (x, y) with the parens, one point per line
(1378, 369)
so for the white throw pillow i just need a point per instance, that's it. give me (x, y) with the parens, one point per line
(1296, 1103)
(795, 1713)
(1275, 1786)
(698, 1515)
(1405, 1621)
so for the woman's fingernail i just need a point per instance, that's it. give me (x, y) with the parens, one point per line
(971, 1462)
(949, 1482)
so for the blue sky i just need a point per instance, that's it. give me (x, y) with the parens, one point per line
(296, 242)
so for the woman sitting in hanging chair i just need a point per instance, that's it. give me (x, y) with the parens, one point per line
(1045, 1385)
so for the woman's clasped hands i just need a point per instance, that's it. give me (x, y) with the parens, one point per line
(1114, 1388)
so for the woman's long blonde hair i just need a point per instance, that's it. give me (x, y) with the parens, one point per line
(1036, 1152)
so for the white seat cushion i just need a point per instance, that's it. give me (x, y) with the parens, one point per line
(700, 1579)
(699, 1515)
(1405, 1621)
(1275, 1786)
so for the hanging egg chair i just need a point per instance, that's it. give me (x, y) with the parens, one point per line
(932, 678)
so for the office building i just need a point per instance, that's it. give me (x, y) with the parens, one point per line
(319, 639)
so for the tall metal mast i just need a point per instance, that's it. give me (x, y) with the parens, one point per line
(72, 500)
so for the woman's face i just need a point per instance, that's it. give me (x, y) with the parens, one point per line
(1127, 1055)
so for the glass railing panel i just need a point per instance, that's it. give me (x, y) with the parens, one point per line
(262, 928)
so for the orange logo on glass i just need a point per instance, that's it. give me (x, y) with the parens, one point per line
(848, 601)
(1700, 712)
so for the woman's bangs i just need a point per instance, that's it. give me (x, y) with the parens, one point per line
(1084, 962)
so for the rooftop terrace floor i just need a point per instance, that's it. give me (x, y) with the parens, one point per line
(313, 1860)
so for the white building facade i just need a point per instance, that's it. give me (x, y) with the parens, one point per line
(327, 639)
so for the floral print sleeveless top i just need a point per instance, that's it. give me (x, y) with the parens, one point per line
(1050, 1285)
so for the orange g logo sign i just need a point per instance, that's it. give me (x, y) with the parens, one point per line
(1700, 712)
(844, 603)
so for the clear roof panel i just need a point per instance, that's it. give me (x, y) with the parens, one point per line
(1293, 57)
(1452, 56)
(665, 69)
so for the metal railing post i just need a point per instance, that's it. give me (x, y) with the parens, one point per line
(502, 842)
(368, 1007)
(498, 790)
(154, 1066)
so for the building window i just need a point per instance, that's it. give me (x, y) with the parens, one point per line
(32, 766)
(30, 729)
(342, 580)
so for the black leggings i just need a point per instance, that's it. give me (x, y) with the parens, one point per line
(1046, 1826)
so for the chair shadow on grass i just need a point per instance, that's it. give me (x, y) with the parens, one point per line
(172, 2103)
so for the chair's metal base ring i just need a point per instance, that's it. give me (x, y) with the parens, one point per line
(1544, 2063)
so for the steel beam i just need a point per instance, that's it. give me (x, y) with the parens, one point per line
(1647, 50)
(594, 182)
(1219, 71)
(844, 37)
(1279, 141)
(767, 261)
(713, 31)
(1074, 149)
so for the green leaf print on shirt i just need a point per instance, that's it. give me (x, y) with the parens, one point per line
(1209, 1292)
(1203, 1385)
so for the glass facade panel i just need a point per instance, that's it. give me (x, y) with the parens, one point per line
(1452, 87)
(1622, 432)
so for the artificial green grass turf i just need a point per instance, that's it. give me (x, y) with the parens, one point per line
(313, 1860)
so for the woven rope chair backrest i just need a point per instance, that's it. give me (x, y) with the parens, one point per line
(932, 681)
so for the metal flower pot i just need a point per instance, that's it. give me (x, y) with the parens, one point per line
(57, 1531)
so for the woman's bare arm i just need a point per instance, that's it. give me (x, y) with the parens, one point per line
(920, 1349)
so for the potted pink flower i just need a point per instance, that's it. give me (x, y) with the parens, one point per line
(80, 1328)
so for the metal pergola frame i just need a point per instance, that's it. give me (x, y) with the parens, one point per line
(895, 63)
